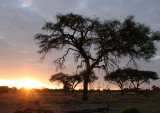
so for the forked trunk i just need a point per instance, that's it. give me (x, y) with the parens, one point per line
(137, 89)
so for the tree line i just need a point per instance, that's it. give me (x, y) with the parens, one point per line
(120, 77)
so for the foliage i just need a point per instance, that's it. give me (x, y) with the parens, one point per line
(6, 89)
(92, 76)
(136, 77)
(62, 78)
(75, 80)
(118, 77)
(95, 43)
(155, 88)
(130, 110)
(71, 81)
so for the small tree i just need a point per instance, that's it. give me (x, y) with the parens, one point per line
(155, 88)
(74, 81)
(118, 77)
(96, 44)
(138, 77)
(62, 78)
(70, 82)
(78, 78)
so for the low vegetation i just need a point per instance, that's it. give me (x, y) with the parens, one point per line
(130, 110)
(57, 101)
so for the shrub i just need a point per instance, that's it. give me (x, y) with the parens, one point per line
(130, 110)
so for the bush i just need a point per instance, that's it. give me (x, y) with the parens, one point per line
(130, 110)
(4, 89)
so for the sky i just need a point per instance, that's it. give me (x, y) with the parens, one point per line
(20, 20)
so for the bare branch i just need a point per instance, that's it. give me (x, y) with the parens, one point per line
(60, 61)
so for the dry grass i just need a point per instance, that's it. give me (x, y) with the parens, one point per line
(59, 102)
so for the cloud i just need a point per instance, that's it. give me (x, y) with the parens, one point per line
(1, 37)
(22, 19)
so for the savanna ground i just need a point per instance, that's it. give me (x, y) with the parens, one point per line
(58, 102)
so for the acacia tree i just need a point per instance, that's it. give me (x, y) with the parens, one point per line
(118, 77)
(138, 77)
(74, 81)
(70, 82)
(95, 43)
(78, 78)
(62, 78)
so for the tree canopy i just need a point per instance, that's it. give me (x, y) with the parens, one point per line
(96, 43)
(70, 82)
(62, 78)
(138, 77)
(120, 77)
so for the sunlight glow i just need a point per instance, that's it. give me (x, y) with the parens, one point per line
(26, 83)
(29, 83)
(25, 3)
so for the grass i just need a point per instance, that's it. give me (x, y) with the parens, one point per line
(58, 101)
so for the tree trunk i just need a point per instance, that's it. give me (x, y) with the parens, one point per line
(122, 92)
(85, 90)
(85, 85)
(136, 89)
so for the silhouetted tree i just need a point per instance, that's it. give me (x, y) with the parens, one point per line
(118, 77)
(78, 78)
(92, 76)
(75, 80)
(70, 82)
(95, 43)
(62, 78)
(138, 77)
(155, 88)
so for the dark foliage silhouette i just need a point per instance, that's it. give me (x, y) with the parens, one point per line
(62, 78)
(70, 82)
(119, 77)
(130, 110)
(137, 77)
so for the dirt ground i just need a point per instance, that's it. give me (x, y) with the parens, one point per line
(59, 102)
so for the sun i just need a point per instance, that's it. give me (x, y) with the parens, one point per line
(25, 3)
(29, 83)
